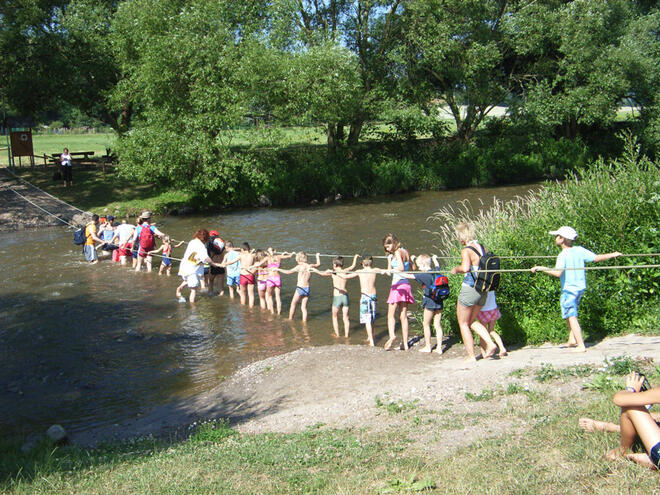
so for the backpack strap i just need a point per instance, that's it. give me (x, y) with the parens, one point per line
(474, 276)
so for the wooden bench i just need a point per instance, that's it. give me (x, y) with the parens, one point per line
(76, 157)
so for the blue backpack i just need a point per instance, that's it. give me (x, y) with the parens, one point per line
(79, 236)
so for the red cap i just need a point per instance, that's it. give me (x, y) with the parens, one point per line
(214, 232)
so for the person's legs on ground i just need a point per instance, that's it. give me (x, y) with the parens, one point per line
(437, 323)
(391, 325)
(426, 323)
(403, 318)
(481, 331)
(463, 314)
(636, 421)
(496, 338)
(576, 333)
(370, 333)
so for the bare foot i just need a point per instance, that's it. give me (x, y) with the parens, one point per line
(578, 349)
(470, 359)
(503, 353)
(438, 350)
(490, 352)
(388, 344)
(403, 346)
(615, 453)
(588, 424)
(425, 349)
(642, 460)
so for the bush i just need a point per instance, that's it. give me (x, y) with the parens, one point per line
(614, 206)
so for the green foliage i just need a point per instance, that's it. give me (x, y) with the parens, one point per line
(486, 394)
(395, 406)
(614, 207)
(211, 431)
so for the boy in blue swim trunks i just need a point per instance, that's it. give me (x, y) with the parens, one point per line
(573, 280)
(304, 271)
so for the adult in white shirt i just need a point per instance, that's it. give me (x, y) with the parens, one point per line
(125, 233)
(191, 267)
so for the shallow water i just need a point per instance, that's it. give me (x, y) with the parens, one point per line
(86, 346)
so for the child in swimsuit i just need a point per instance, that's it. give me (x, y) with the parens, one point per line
(260, 262)
(166, 262)
(246, 281)
(339, 292)
(398, 260)
(367, 277)
(302, 288)
(274, 281)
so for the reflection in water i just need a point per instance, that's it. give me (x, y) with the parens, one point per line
(89, 345)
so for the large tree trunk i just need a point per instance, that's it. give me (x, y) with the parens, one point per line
(332, 137)
(340, 135)
(354, 133)
(569, 128)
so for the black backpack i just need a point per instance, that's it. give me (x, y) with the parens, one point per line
(487, 277)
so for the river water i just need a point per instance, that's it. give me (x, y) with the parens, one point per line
(86, 346)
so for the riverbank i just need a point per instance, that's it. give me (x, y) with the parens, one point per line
(353, 419)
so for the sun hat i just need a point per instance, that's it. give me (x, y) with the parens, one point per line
(566, 232)
(214, 232)
(146, 214)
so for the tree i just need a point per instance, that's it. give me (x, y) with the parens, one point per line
(369, 28)
(457, 51)
(581, 67)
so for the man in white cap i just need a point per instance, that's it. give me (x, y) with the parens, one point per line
(573, 280)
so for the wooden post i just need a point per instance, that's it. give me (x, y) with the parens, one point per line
(45, 161)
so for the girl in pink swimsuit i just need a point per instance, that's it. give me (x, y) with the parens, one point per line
(274, 281)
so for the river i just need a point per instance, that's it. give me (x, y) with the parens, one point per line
(86, 346)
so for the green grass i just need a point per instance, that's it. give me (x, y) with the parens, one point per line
(55, 143)
(548, 453)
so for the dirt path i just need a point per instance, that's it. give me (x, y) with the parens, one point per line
(338, 385)
(17, 213)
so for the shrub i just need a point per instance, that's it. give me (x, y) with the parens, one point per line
(614, 206)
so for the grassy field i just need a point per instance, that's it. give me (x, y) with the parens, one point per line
(538, 449)
(54, 143)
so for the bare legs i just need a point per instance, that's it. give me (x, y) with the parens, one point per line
(303, 306)
(575, 334)
(466, 318)
(246, 293)
(434, 317)
(335, 320)
(496, 337)
(391, 323)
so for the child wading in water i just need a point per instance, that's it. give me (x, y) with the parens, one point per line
(246, 280)
(233, 263)
(432, 308)
(488, 316)
(260, 261)
(166, 262)
(302, 284)
(339, 292)
(573, 282)
(274, 281)
(398, 260)
(367, 277)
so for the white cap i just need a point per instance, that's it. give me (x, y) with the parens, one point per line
(566, 232)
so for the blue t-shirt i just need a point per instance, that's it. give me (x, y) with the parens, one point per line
(233, 270)
(573, 257)
(138, 230)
